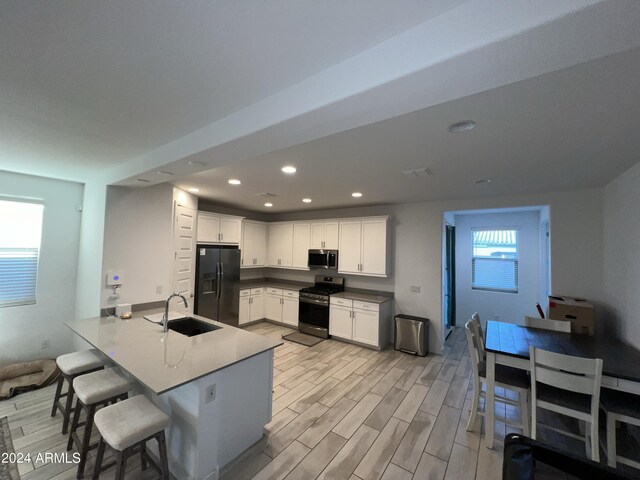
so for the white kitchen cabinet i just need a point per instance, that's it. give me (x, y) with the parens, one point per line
(251, 305)
(324, 235)
(290, 311)
(341, 322)
(216, 228)
(280, 245)
(366, 323)
(366, 326)
(363, 247)
(273, 307)
(301, 242)
(254, 244)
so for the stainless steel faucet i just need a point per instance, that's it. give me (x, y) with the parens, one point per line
(165, 318)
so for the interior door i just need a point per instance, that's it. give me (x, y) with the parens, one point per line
(184, 258)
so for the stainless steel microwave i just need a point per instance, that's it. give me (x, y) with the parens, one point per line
(327, 259)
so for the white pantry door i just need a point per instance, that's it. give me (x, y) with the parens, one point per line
(184, 258)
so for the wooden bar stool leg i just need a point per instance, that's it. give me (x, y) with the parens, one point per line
(143, 456)
(96, 470)
(162, 448)
(121, 464)
(91, 410)
(56, 397)
(68, 407)
(74, 424)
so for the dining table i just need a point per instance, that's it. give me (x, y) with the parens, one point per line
(508, 344)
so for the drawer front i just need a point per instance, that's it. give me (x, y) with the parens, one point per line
(372, 307)
(290, 293)
(257, 291)
(245, 293)
(344, 302)
(274, 291)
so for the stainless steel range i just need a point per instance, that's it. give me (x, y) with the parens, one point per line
(313, 313)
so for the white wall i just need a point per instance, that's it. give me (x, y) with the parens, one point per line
(25, 327)
(138, 241)
(622, 255)
(498, 305)
(576, 246)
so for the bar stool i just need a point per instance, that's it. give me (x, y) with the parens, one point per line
(93, 389)
(71, 365)
(127, 425)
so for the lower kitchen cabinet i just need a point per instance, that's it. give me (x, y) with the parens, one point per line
(341, 322)
(282, 306)
(362, 322)
(251, 305)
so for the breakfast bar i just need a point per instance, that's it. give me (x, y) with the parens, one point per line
(216, 386)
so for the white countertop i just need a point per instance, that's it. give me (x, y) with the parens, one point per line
(362, 297)
(165, 361)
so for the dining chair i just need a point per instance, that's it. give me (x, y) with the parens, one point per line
(569, 386)
(510, 378)
(477, 330)
(619, 407)
(547, 324)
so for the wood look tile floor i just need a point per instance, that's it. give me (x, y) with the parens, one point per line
(340, 411)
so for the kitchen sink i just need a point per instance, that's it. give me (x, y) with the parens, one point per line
(191, 327)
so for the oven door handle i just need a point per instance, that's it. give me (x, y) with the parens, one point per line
(312, 301)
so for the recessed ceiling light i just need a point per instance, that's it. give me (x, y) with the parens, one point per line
(234, 181)
(289, 169)
(194, 190)
(163, 172)
(195, 163)
(462, 126)
(306, 200)
(268, 204)
(356, 194)
(142, 180)
(482, 180)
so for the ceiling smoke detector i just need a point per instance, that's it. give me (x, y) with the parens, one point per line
(419, 172)
(462, 126)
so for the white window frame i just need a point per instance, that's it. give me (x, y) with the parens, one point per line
(515, 261)
(25, 294)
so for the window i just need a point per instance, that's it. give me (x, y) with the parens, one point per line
(494, 265)
(20, 234)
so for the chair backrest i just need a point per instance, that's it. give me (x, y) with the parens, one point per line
(476, 327)
(575, 374)
(547, 324)
(474, 351)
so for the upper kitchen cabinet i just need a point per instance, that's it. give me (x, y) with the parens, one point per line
(301, 243)
(324, 235)
(217, 228)
(254, 244)
(280, 248)
(363, 246)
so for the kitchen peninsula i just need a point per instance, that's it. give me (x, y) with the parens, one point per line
(216, 386)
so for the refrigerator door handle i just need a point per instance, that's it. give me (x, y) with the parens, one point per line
(221, 264)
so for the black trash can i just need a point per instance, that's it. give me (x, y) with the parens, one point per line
(412, 334)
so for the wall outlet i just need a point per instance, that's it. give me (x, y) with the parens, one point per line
(211, 394)
(158, 289)
(415, 288)
(44, 344)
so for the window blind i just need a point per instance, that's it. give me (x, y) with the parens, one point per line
(494, 264)
(21, 231)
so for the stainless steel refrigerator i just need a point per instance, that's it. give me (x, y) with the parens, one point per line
(217, 277)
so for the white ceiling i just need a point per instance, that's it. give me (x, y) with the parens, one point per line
(573, 128)
(89, 84)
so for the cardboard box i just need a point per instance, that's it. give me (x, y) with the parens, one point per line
(576, 310)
